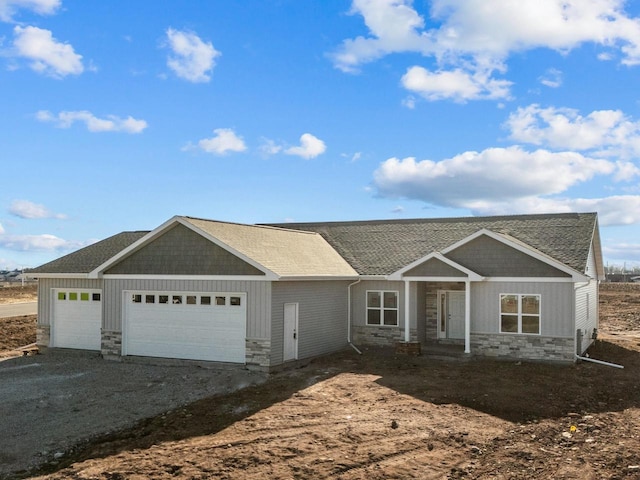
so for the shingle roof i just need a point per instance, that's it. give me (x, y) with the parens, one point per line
(88, 258)
(286, 252)
(381, 247)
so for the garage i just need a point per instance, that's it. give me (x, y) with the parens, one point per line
(185, 325)
(77, 319)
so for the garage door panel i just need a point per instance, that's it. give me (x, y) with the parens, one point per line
(77, 319)
(186, 330)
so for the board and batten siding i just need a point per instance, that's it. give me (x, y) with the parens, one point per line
(258, 299)
(45, 297)
(557, 306)
(322, 317)
(586, 312)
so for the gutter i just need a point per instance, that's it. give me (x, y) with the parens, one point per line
(349, 316)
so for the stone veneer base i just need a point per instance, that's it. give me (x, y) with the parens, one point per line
(523, 347)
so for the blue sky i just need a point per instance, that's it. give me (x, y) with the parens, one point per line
(118, 115)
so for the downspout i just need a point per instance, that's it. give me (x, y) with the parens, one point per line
(600, 362)
(349, 316)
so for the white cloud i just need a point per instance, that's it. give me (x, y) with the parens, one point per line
(43, 242)
(269, 147)
(493, 175)
(472, 37)
(1, 229)
(607, 132)
(8, 8)
(111, 123)
(224, 141)
(29, 210)
(192, 59)
(622, 251)
(45, 53)
(456, 85)
(552, 78)
(310, 147)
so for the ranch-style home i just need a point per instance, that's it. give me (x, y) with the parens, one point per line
(521, 287)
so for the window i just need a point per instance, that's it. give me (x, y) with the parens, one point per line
(136, 298)
(177, 299)
(84, 297)
(520, 313)
(163, 298)
(235, 301)
(191, 299)
(149, 299)
(221, 300)
(95, 297)
(73, 295)
(382, 308)
(62, 295)
(205, 300)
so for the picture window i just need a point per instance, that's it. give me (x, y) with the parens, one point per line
(520, 313)
(382, 308)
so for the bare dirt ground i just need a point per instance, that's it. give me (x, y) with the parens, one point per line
(18, 293)
(381, 416)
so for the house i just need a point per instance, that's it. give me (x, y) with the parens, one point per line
(521, 287)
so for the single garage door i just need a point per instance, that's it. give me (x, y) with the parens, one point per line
(77, 319)
(193, 326)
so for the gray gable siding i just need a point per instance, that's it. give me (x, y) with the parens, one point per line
(491, 258)
(181, 251)
(434, 268)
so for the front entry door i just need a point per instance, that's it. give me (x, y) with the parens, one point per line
(451, 314)
(290, 331)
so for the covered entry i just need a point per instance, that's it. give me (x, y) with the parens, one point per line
(194, 326)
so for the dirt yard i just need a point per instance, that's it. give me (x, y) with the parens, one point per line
(382, 416)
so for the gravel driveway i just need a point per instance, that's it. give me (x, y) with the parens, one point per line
(53, 401)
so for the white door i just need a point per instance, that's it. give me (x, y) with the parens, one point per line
(290, 331)
(193, 326)
(76, 319)
(451, 309)
(455, 314)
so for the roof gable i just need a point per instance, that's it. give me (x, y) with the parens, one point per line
(493, 255)
(181, 251)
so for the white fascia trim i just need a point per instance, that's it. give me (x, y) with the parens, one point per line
(98, 272)
(442, 279)
(250, 278)
(534, 279)
(521, 247)
(373, 277)
(302, 278)
(57, 275)
(226, 247)
(470, 274)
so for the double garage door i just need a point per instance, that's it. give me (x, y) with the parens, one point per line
(195, 326)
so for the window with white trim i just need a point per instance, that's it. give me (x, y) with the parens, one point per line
(382, 308)
(520, 313)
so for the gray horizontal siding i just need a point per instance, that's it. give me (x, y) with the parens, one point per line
(359, 300)
(44, 293)
(557, 318)
(322, 317)
(434, 268)
(258, 299)
(587, 312)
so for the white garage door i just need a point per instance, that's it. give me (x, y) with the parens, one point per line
(77, 318)
(193, 326)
